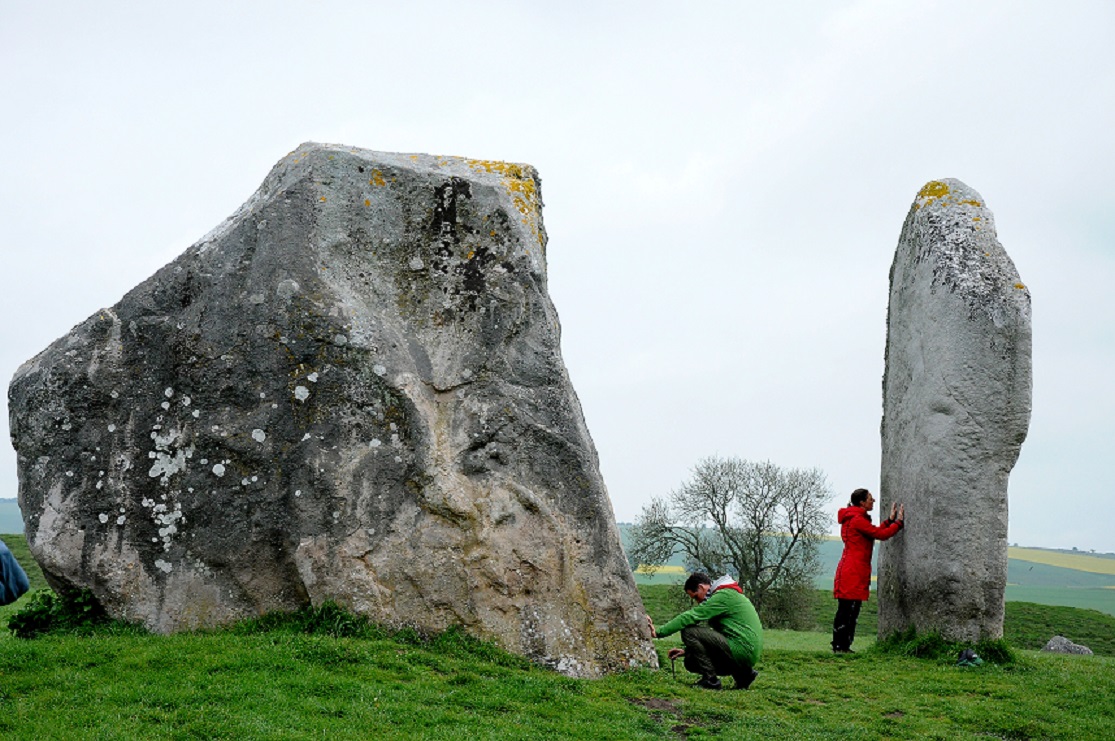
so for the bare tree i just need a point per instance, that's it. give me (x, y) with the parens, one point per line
(755, 520)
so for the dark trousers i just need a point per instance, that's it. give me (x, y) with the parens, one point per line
(844, 624)
(707, 653)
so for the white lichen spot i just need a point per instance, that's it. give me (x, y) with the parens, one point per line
(218, 470)
(379, 370)
(112, 428)
(196, 414)
(100, 485)
(115, 394)
(306, 437)
(259, 435)
(121, 520)
(165, 405)
(416, 263)
(243, 482)
(375, 443)
(297, 492)
(301, 393)
(103, 518)
(186, 401)
(169, 392)
(312, 378)
(163, 566)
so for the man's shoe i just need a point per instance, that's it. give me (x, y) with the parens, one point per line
(709, 683)
(842, 651)
(743, 681)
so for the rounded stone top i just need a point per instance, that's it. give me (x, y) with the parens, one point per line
(951, 222)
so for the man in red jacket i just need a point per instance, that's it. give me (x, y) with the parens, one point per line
(853, 574)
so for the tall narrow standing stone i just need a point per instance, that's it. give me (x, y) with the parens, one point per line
(352, 390)
(956, 409)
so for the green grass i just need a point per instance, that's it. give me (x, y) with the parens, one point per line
(274, 683)
(1029, 625)
(325, 675)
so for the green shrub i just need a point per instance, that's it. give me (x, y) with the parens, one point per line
(934, 647)
(328, 619)
(72, 611)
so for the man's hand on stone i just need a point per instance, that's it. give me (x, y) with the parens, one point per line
(650, 624)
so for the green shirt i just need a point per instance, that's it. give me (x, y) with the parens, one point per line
(731, 614)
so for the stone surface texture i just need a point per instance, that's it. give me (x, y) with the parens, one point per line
(956, 409)
(1062, 645)
(351, 390)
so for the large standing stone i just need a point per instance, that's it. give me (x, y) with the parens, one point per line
(351, 390)
(956, 408)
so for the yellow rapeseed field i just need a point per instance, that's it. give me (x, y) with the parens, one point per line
(1077, 561)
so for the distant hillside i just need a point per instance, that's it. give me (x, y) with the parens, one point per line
(1043, 576)
(11, 521)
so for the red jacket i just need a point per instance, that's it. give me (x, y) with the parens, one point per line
(853, 573)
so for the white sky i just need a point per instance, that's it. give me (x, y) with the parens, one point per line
(724, 182)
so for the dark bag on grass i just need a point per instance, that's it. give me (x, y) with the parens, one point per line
(13, 580)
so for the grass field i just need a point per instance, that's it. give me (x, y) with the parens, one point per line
(281, 681)
(1097, 564)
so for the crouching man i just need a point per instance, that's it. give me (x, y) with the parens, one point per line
(722, 634)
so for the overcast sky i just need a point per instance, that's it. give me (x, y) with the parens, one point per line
(724, 187)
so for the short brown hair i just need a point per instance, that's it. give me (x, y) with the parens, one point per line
(858, 496)
(696, 579)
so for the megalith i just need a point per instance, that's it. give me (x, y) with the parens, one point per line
(351, 390)
(956, 409)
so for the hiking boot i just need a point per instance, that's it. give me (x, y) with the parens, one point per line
(744, 680)
(842, 651)
(709, 683)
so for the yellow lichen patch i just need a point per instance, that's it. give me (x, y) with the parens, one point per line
(367, 202)
(973, 202)
(1020, 286)
(377, 179)
(471, 254)
(323, 199)
(976, 218)
(934, 189)
(521, 186)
